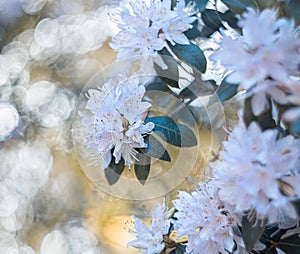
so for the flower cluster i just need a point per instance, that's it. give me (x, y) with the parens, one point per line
(207, 222)
(259, 172)
(150, 238)
(116, 121)
(147, 26)
(263, 59)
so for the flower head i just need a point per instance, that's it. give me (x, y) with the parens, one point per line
(150, 238)
(262, 60)
(146, 26)
(207, 222)
(259, 172)
(116, 121)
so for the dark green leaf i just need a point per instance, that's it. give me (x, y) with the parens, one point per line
(206, 31)
(113, 171)
(167, 129)
(200, 4)
(211, 18)
(251, 231)
(142, 167)
(191, 54)
(198, 88)
(226, 90)
(157, 84)
(173, 133)
(180, 249)
(292, 7)
(170, 75)
(295, 126)
(240, 6)
(230, 18)
(265, 119)
(156, 149)
(290, 244)
(188, 137)
(193, 32)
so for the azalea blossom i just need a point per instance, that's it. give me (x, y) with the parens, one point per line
(207, 222)
(146, 26)
(259, 172)
(116, 121)
(263, 59)
(150, 238)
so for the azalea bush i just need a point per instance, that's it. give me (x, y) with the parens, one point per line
(181, 65)
(249, 202)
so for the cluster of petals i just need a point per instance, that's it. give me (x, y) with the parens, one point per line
(150, 238)
(207, 221)
(116, 121)
(146, 26)
(262, 60)
(260, 172)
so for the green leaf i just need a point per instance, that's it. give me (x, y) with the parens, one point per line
(226, 90)
(188, 137)
(295, 126)
(251, 231)
(156, 149)
(113, 171)
(240, 6)
(142, 167)
(211, 18)
(200, 4)
(292, 7)
(173, 133)
(193, 32)
(290, 244)
(167, 129)
(180, 249)
(157, 84)
(206, 31)
(191, 54)
(265, 119)
(230, 18)
(198, 88)
(170, 75)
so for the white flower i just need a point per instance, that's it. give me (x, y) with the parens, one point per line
(207, 222)
(150, 238)
(262, 60)
(116, 121)
(258, 172)
(146, 26)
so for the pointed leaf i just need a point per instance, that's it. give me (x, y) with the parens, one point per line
(199, 4)
(230, 18)
(157, 84)
(167, 129)
(251, 231)
(198, 88)
(295, 126)
(226, 90)
(170, 75)
(173, 133)
(292, 7)
(193, 32)
(156, 149)
(142, 167)
(211, 18)
(113, 171)
(240, 6)
(191, 54)
(188, 137)
(290, 244)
